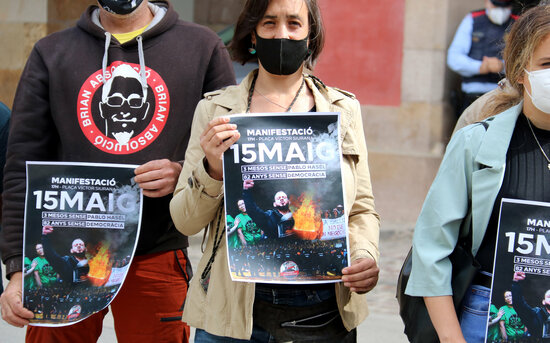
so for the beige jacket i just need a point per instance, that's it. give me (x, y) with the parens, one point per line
(226, 309)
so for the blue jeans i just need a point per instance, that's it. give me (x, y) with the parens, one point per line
(298, 314)
(474, 313)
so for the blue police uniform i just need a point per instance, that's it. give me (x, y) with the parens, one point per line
(477, 36)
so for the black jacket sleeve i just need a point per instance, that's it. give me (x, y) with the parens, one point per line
(58, 263)
(259, 217)
(263, 219)
(33, 137)
(527, 314)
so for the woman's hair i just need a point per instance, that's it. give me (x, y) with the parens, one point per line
(251, 15)
(524, 37)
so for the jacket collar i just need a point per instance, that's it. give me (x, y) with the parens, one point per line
(233, 98)
(486, 182)
(325, 97)
(492, 151)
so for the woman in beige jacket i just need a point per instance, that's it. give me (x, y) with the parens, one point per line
(224, 310)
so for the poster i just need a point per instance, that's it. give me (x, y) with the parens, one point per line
(284, 199)
(82, 222)
(520, 292)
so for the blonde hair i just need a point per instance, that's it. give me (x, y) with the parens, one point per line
(525, 36)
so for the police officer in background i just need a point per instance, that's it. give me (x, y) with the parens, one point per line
(475, 52)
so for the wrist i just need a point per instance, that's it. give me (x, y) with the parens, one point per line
(13, 265)
(178, 165)
(216, 175)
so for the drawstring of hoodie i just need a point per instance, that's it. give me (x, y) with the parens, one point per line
(106, 55)
(142, 74)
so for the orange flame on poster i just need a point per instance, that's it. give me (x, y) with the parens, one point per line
(307, 218)
(100, 266)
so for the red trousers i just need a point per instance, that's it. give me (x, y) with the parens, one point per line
(147, 308)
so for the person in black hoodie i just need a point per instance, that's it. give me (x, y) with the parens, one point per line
(73, 268)
(65, 109)
(4, 129)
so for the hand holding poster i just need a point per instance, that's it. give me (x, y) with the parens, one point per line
(284, 199)
(521, 275)
(82, 221)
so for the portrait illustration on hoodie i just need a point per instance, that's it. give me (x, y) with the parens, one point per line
(122, 109)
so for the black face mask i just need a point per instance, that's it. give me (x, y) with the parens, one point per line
(120, 6)
(281, 56)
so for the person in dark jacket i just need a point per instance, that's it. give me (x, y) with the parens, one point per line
(276, 223)
(4, 129)
(475, 52)
(64, 101)
(537, 319)
(72, 268)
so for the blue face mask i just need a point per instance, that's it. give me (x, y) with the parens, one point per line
(120, 6)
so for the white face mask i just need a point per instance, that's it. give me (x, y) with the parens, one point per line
(540, 89)
(499, 15)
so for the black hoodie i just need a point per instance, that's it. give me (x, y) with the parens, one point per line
(61, 111)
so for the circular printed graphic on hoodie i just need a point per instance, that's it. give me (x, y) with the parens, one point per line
(126, 112)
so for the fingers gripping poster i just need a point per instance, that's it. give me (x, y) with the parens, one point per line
(284, 199)
(82, 221)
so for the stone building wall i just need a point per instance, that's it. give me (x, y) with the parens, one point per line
(217, 14)
(22, 23)
(406, 143)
